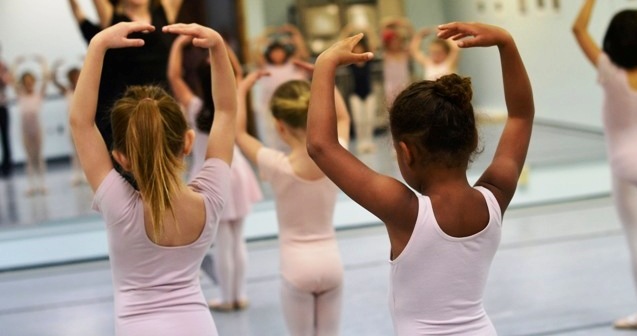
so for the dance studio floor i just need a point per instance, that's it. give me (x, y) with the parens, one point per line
(562, 270)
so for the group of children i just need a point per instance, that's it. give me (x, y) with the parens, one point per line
(443, 231)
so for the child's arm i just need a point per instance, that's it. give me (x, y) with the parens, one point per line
(54, 77)
(414, 46)
(454, 54)
(91, 149)
(583, 37)
(502, 175)
(248, 144)
(343, 122)
(181, 91)
(224, 90)
(44, 70)
(105, 11)
(236, 65)
(13, 74)
(381, 195)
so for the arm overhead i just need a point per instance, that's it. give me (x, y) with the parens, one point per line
(584, 39)
(91, 149)
(414, 46)
(105, 11)
(180, 89)
(248, 144)
(222, 133)
(54, 77)
(501, 177)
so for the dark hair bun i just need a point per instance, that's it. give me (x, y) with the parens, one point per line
(455, 89)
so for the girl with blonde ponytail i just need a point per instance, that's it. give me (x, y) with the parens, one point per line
(311, 269)
(158, 235)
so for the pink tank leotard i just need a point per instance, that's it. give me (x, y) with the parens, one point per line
(433, 71)
(620, 119)
(245, 189)
(396, 76)
(437, 282)
(157, 290)
(310, 259)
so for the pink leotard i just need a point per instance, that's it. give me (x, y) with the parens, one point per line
(157, 290)
(437, 282)
(396, 76)
(620, 119)
(30, 106)
(310, 259)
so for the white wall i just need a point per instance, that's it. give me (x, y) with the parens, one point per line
(564, 83)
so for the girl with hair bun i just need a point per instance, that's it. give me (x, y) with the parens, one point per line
(616, 63)
(443, 231)
(311, 268)
(157, 236)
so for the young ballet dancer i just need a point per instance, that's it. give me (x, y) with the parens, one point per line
(396, 57)
(231, 252)
(362, 101)
(311, 269)
(441, 58)
(159, 235)
(443, 232)
(616, 63)
(278, 59)
(72, 75)
(30, 99)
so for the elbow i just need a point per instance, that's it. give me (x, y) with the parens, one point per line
(316, 148)
(577, 29)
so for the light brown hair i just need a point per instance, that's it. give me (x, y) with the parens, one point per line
(290, 102)
(149, 130)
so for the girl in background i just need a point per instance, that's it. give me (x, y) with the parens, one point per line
(616, 63)
(276, 53)
(441, 58)
(396, 57)
(311, 269)
(30, 98)
(362, 101)
(231, 252)
(443, 231)
(72, 75)
(159, 235)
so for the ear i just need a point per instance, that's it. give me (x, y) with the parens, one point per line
(189, 141)
(121, 159)
(406, 154)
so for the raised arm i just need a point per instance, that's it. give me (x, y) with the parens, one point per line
(171, 7)
(55, 68)
(13, 74)
(44, 70)
(379, 194)
(248, 144)
(180, 89)
(90, 146)
(87, 28)
(582, 35)
(105, 11)
(415, 46)
(224, 90)
(301, 52)
(501, 177)
(236, 65)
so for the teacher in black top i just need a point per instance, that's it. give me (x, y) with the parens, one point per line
(133, 66)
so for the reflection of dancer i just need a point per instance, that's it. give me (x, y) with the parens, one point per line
(87, 28)
(396, 58)
(311, 269)
(443, 261)
(441, 58)
(6, 168)
(159, 235)
(362, 100)
(281, 51)
(231, 251)
(617, 74)
(72, 75)
(30, 101)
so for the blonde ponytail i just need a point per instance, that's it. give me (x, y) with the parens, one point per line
(149, 129)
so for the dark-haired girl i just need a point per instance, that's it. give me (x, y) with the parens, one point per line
(616, 64)
(283, 46)
(231, 252)
(443, 231)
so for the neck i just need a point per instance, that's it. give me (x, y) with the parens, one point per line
(135, 11)
(440, 179)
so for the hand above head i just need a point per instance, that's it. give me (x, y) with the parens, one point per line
(202, 37)
(116, 36)
(426, 31)
(341, 52)
(248, 82)
(470, 35)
